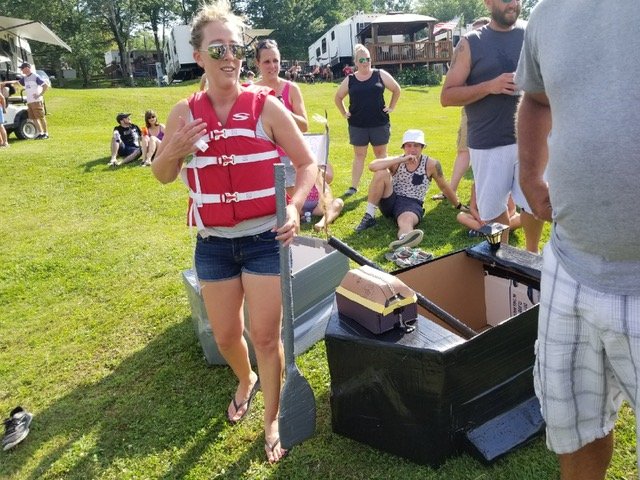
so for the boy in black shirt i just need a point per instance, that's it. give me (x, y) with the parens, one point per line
(125, 141)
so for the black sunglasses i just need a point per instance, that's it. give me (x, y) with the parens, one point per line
(219, 50)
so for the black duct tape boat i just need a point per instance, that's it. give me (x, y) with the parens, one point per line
(430, 393)
(317, 270)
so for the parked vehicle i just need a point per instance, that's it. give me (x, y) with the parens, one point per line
(15, 48)
(17, 121)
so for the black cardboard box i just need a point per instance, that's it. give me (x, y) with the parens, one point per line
(430, 394)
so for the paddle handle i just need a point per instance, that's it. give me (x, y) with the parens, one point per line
(285, 268)
(464, 331)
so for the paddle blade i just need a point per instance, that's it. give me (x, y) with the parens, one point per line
(297, 420)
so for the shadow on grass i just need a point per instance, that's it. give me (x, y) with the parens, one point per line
(163, 398)
(104, 162)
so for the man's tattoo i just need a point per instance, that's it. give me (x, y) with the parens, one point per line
(459, 48)
(439, 172)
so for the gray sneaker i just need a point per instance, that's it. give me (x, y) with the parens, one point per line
(16, 427)
(411, 239)
(367, 222)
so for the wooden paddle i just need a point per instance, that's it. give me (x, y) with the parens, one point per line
(297, 419)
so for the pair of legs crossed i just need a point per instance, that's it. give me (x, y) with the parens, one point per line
(495, 172)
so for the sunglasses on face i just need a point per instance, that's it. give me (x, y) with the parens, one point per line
(364, 60)
(219, 50)
(509, 1)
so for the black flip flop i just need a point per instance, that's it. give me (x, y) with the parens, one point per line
(247, 402)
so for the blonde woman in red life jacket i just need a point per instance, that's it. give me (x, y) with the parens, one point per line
(222, 141)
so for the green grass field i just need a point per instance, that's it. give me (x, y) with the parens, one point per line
(95, 330)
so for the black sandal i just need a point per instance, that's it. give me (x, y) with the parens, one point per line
(247, 402)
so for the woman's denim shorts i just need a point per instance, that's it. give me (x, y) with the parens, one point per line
(219, 258)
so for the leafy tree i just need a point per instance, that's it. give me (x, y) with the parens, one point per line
(527, 6)
(447, 9)
(70, 20)
(120, 18)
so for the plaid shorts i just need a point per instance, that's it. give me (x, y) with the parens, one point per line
(587, 358)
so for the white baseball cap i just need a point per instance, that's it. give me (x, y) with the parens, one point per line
(415, 136)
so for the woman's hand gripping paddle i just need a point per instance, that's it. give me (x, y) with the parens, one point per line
(297, 420)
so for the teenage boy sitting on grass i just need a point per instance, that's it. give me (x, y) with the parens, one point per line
(399, 187)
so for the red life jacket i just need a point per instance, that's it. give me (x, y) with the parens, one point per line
(232, 180)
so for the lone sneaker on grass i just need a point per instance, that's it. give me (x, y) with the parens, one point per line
(367, 222)
(16, 427)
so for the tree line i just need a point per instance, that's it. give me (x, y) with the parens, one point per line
(92, 27)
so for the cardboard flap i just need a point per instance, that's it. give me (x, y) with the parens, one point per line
(506, 432)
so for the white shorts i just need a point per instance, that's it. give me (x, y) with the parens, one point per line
(495, 172)
(587, 358)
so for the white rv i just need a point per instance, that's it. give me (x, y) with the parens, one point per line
(335, 47)
(15, 34)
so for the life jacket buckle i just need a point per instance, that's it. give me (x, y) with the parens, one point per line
(230, 197)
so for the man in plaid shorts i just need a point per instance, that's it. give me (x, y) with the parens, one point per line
(588, 348)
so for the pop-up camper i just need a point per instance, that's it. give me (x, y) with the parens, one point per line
(15, 34)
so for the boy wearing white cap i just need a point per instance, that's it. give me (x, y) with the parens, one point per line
(399, 187)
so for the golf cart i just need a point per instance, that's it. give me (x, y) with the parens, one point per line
(16, 119)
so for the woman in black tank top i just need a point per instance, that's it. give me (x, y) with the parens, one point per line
(368, 116)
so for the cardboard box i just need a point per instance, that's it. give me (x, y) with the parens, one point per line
(317, 270)
(431, 394)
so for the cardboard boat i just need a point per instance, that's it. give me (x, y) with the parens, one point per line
(431, 393)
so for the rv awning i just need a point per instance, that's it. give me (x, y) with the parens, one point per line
(250, 35)
(397, 24)
(31, 30)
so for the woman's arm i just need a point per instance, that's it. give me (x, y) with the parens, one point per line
(179, 141)
(281, 128)
(299, 112)
(342, 92)
(394, 87)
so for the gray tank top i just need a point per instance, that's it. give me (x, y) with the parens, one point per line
(491, 119)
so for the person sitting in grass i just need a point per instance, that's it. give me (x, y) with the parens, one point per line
(472, 220)
(399, 187)
(125, 141)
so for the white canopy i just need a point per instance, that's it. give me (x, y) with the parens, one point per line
(31, 30)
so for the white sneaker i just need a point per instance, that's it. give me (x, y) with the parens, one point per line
(411, 239)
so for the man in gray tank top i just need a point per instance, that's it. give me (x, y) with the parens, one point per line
(481, 80)
(588, 349)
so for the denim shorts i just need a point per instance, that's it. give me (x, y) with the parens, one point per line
(395, 205)
(219, 258)
(126, 150)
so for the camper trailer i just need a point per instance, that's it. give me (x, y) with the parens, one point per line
(13, 51)
(15, 34)
(335, 47)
